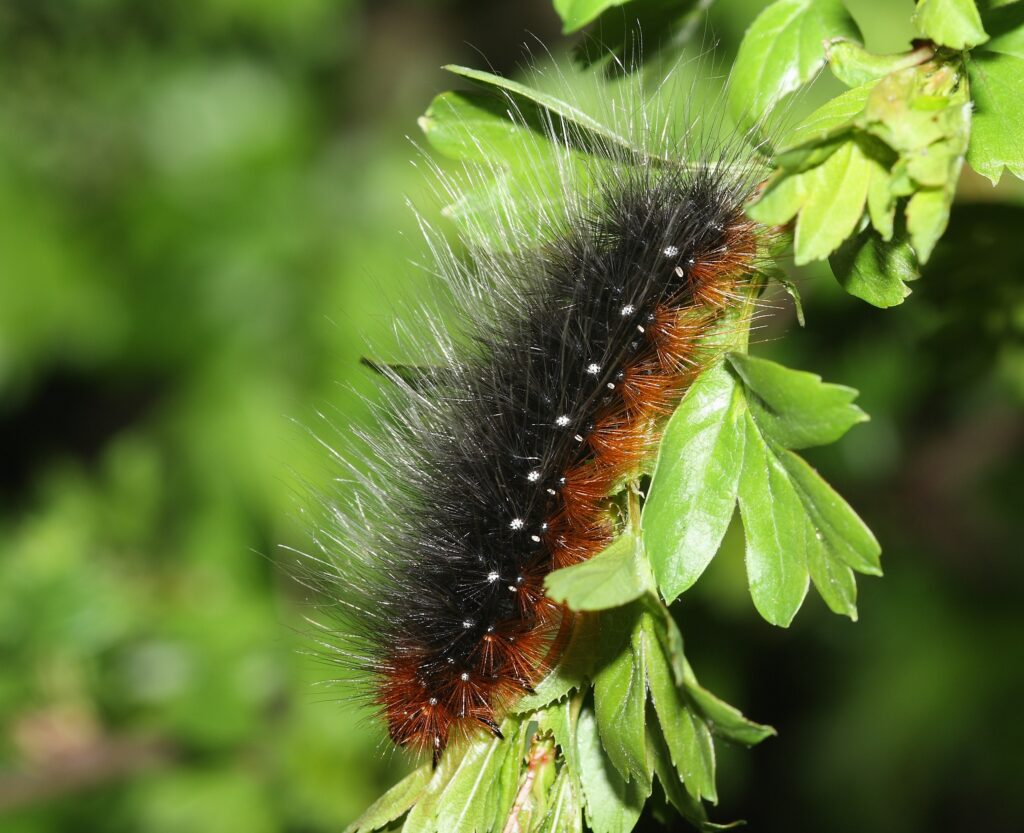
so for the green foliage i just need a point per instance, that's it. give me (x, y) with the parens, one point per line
(952, 23)
(648, 717)
(200, 215)
(997, 87)
(685, 518)
(781, 52)
(894, 142)
(612, 578)
(576, 14)
(731, 443)
(867, 181)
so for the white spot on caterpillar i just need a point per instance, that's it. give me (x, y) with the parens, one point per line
(533, 476)
(544, 527)
(641, 329)
(468, 623)
(516, 523)
(493, 577)
(611, 386)
(464, 677)
(551, 492)
(691, 261)
(670, 251)
(629, 309)
(562, 421)
(535, 539)
(578, 438)
(432, 701)
(593, 368)
(679, 271)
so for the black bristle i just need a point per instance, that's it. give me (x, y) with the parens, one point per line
(457, 510)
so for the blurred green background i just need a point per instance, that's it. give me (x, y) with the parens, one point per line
(202, 221)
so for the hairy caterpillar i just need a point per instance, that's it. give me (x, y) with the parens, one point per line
(578, 330)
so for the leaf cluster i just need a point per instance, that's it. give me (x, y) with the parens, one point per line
(866, 181)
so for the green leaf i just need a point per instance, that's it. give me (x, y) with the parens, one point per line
(917, 108)
(795, 408)
(422, 817)
(776, 525)
(552, 113)
(833, 580)
(881, 200)
(797, 528)
(927, 218)
(689, 808)
(613, 805)
(564, 814)
(780, 201)
(613, 577)
(693, 490)
(476, 126)
(923, 114)
(688, 737)
(1006, 26)
(671, 639)
(394, 803)
(997, 88)
(781, 51)
(724, 720)
(560, 719)
(852, 64)
(620, 692)
(834, 524)
(573, 669)
(830, 122)
(874, 270)
(576, 14)
(732, 434)
(829, 200)
(502, 794)
(836, 194)
(464, 806)
(952, 23)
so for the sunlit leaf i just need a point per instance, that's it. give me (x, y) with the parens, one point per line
(620, 694)
(576, 14)
(613, 805)
(953, 23)
(852, 64)
(613, 577)
(394, 803)
(550, 112)
(781, 51)
(797, 409)
(997, 88)
(693, 491)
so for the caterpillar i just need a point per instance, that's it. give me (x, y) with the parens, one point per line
(575, 336)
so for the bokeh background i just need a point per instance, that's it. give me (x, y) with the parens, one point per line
(202, 219)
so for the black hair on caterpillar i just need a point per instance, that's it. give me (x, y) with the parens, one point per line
(500, 463)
